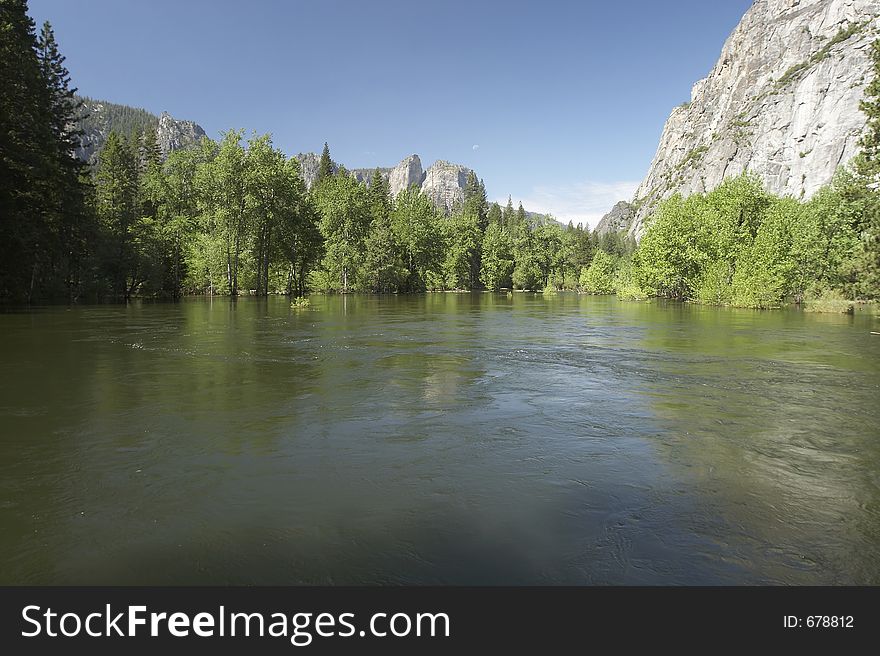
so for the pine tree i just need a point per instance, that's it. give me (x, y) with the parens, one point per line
(69, 216)
(521, 219)
(509, 215)
(325, 167)
(27, 155)
(380, 192)
(497, 263)
(415, 221)
(867, 260)
(494, 215)
(116, 199)
(473, 212)
(868, 163)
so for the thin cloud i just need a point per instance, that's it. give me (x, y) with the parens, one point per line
(475, 147)
(583, 202)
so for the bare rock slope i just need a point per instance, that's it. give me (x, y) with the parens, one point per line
(782, 102)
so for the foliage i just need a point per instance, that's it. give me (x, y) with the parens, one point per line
(843, 34)
(598, 278)
(235, 217)
(828, 301)
(497, 264)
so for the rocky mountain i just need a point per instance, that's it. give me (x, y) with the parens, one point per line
(99, 117)
(174, 134)
(443, 182)
(782, 102)
(619, 218)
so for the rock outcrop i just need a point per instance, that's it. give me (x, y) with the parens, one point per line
(308, 167)
(100, 117)
(408, 172)
(366, 175)
(782, 102)
(444, 184)
(174, 134)
(619, 218)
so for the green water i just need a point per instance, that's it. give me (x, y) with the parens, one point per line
(446, 438)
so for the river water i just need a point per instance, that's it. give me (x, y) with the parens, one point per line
(443, 438)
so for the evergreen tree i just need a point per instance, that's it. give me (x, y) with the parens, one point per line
(300, 239)
(117, 207)
(474, 212)
(383, 263)
(383, 269)
(509, 215)
(521, 219)
(494, 215)
(344, 204)
(415, 219)
(866, 264)
(868, 162)
(526, 271)
(224, 183)
(268, 199)
(42, 212)
(70, 217)
(325, 166)
(497, 264)
(598, 278)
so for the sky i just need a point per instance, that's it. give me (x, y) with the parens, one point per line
(557, 104)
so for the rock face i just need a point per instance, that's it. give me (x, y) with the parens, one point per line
(782, 102)
(308, 167)
(101, 117)
(174, 134)
(619, 218)
(408, 172)
(366, 175)
(444, 184)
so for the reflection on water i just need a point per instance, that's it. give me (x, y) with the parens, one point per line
(446, 438)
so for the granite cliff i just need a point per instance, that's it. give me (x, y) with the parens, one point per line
(782, 102)
(99, 117)
(443, 182)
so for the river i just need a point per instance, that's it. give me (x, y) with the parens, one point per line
(438, 439)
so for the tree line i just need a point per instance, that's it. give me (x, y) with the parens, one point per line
(739, 245)
(234, 216)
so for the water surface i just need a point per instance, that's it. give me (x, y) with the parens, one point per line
(445, 438)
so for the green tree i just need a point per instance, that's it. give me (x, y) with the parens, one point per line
(270, 198)
(598, 278)
(529, 267)
(300, 240)
(224, 182)
(765, 270)
(177, 211)
(71, 220)
(344, 205)
(497, 262)
(383, 269)
(415, 221)
(325, 166)
(118, 211)
(868, 161)
(494, 215)
(44, 223)
(463, 241)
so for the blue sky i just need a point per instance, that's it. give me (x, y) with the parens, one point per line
(559, 104)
